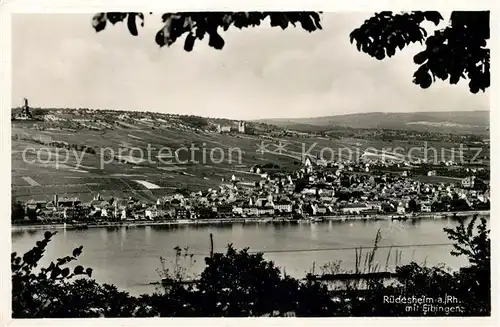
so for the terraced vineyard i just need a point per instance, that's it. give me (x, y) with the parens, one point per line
(149, 158)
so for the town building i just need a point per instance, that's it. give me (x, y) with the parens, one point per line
(241, 127)
(283, 206)
(151, 213)
(251, 210)
(425, 206)
(223, 129)
(468, 182)
(355, 208)
(68, 202)
(401, 208)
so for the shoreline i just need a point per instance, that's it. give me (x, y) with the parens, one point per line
(260, 220)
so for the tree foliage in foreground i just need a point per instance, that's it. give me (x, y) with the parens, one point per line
(240, 284)
(457, 51)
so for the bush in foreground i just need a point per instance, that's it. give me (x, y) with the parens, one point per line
(240, 284)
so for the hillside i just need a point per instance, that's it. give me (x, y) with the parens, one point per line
(82, 152)
(476, 122)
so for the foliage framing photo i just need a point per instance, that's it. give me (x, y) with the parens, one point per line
(454, 52)
(242, 284)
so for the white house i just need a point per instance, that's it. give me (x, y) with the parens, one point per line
(309, 191)
(355, 208)
(238, 210)
(251, 210)
(468, 182)
(284, 206)
(223, 129)
(322, 162)
(425, 206)
(401, 209)
(151, 213)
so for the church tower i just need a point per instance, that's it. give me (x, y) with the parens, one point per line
(241, 127)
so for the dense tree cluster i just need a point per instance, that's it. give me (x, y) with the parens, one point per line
(57, 144)
(18, 212)
(194, 121)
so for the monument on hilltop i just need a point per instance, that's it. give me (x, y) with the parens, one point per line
(25, 113)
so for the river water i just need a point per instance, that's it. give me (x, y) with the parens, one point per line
(130, 257)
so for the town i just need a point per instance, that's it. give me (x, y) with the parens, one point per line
(317, 189)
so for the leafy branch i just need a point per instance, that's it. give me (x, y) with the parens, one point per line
(198, 25)
(40, 291)
(455, 52)
(475, 246)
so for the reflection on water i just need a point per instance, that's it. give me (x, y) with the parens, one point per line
(18, 233)
(147, 234)
(314, 231)
(104, 234)
(129, 257)
(123, 237)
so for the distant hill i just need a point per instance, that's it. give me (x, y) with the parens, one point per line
(476, 122)
(98, 119)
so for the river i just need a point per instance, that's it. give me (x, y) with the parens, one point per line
(129, 257)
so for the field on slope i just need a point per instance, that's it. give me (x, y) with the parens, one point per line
(459, 122)
(154, 162)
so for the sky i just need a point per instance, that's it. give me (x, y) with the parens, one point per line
(59, 61)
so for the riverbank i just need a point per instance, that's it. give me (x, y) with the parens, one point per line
(260, 220)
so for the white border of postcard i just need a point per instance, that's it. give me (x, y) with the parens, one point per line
(8, 7)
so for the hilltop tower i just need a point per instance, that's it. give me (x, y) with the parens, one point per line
(25, 113)
(26, 109)
(241, 127)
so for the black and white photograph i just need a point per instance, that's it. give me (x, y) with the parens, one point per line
(250, 164)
